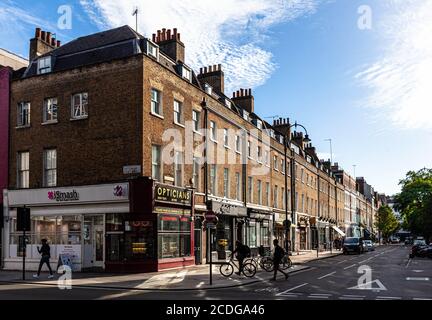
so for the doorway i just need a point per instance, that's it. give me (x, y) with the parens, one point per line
(94, 242)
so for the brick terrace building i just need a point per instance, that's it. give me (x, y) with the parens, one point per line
(120, 149)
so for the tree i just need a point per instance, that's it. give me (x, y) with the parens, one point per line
(415, 202)
(387, 223)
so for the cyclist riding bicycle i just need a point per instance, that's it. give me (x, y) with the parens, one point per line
(242, 251)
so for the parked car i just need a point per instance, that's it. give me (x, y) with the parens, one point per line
(418, 245)
(425, 252)
(353, 244)
(369, 245)
(394, 240)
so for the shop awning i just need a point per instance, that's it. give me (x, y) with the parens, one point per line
(339, 231)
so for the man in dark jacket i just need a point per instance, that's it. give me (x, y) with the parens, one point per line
(45, 251)
(278, 255)
(241, 251)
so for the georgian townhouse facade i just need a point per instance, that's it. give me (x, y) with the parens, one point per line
(120, 150)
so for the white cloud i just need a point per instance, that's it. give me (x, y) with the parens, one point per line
(224, 31)
(400, 81)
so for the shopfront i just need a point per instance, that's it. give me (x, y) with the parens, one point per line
(259, 228)
(71, 219)
(156, 234)
(303, 229)
(231, 226)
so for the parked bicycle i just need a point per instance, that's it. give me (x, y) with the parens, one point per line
(285, 263)
(227, 268)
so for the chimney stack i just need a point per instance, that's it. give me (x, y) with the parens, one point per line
(282, 126)
(170, 44)
(214, 76)
(244, 99)
(42, 43)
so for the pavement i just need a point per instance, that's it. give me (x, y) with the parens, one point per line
(190, 278)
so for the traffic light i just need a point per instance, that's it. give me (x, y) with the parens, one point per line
(23, 219)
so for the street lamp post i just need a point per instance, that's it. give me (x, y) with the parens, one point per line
(287, 143)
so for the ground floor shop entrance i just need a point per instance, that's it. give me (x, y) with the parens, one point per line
(93, 242)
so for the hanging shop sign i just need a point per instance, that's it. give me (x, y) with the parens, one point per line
(172, 194)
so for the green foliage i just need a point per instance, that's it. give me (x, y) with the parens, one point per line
(415, 202)
(386, 222)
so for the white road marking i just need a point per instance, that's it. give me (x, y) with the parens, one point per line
(342, 261)
(317, 297)
(422, 298)
(417, 279)
(389, 298)
(368, 286)
(348, 297)
(327, 275)
(286, 291)
(353, 265)
(417, 271)
(365, 260)
(320, 294)
(408, 263)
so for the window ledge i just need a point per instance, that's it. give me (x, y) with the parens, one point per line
(23, 127)
(197, 132)
(227, 147)
(157, 115)
(79, 118)
(238, 152)
(179, 124)
(213, 140)
(49, 122)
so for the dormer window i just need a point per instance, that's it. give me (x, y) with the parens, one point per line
(208, 89)
(152, 50)
(245, 115)
(44, 65)
(186, 73)
(259, 124)
(228, 103)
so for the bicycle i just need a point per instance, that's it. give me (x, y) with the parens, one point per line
(227, 268)
(264, 262)
(267, 263)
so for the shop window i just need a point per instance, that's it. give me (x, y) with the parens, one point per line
(174, 236)
(138, 240)
(224, 232)
(252, 235)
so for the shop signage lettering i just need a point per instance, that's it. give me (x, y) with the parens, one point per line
(172, 194)
(120, 191)
(63, 196)
(172, 210)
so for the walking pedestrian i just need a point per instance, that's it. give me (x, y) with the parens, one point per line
(45, 251)
(278, 255)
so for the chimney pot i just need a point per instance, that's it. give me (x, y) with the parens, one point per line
(178, 36)
(215, 68)
(53, 42)
(242, 92)
(58, 43)
(219, 67)
(234, 94)
(201, 70)
(48, 37)
(175, 31)
(43, 35)
(238, 93)
(38, 33)
(169, 34)
(154, 37)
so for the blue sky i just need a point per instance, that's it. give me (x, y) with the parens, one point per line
(367, 90)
